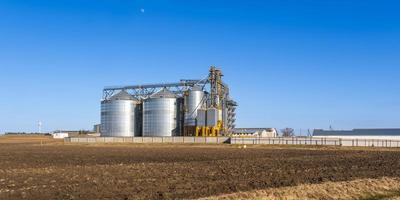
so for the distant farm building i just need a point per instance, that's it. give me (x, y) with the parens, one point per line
(60, 135)
(385, 134)
(259, 132)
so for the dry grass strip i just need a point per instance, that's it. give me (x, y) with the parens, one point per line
(364, 189)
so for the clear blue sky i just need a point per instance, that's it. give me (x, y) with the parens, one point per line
(293, 63)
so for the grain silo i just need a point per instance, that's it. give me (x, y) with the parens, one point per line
(190, 107)
(160, 114)
(194, 99)
(120, 116)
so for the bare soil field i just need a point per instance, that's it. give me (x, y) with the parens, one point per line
(43, 168)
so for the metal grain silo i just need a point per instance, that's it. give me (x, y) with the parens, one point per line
(160, 115)
(193, 102)
(119, 116)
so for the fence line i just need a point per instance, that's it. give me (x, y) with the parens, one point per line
(181, 140)
(242, 141)
(317, 141)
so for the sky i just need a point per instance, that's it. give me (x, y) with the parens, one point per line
(302, 64)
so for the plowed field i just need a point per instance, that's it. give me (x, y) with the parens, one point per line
(41, 168)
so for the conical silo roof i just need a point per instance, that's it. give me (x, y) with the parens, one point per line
(164, 93)
(196, 88)
(123, 95)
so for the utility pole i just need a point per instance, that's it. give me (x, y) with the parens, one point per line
(40, 126)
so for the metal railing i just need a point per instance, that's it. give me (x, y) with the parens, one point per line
(317, 141)
(245, 140)
(181, 140)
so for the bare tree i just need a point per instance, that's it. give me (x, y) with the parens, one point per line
(287, 132)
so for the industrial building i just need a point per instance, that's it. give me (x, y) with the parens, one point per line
(187, 108)
(254, 132)
(383, 134)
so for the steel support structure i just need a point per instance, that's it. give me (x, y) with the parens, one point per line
(144, 91)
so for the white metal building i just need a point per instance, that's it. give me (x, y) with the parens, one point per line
(383, 134)
(255, 132)
(60, 135)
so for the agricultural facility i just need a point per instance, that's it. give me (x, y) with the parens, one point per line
(187, 108)
(179, 141)
(205, 100)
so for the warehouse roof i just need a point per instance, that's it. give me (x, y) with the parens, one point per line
(358, 132)
(251, 130)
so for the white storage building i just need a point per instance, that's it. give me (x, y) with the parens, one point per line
(255, 132)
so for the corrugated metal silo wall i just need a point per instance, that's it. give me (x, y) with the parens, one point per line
(180, 116)
(118, 118)
(160, 117)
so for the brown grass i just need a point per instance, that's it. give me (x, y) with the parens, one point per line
(364, 189)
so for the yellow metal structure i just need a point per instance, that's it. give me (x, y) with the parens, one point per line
(205, 131)
(201, 131)
(217, 97)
